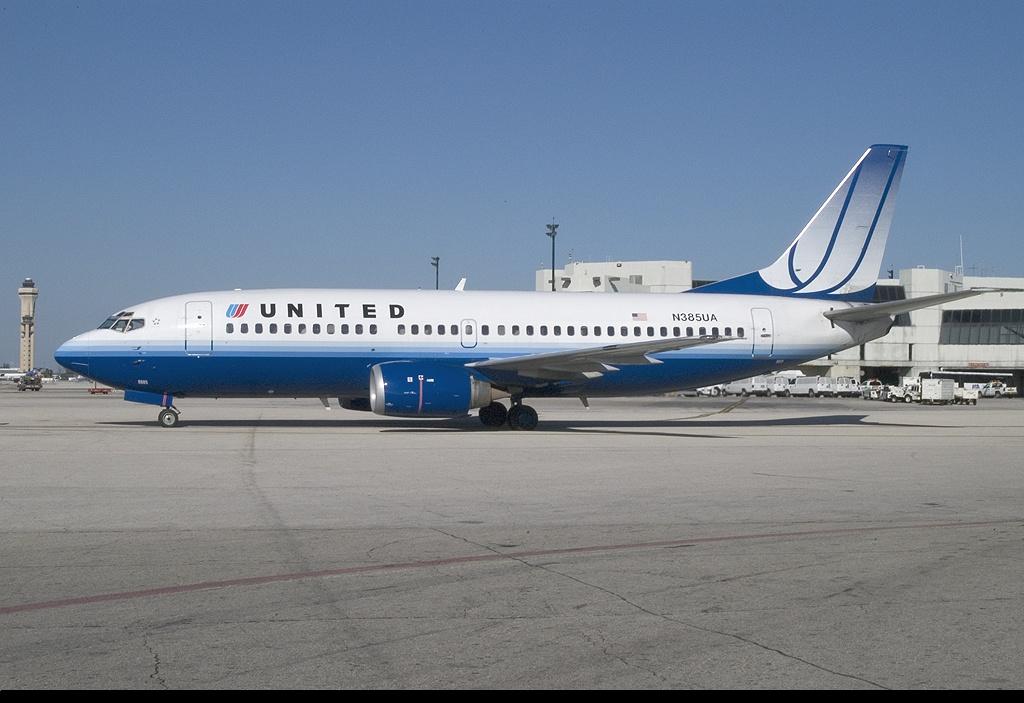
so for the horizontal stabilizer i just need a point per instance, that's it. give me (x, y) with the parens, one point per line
(864, 313)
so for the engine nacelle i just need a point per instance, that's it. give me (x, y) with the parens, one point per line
(419, 389)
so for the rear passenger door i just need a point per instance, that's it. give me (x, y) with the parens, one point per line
(763, 333)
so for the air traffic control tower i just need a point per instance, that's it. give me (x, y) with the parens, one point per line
(28, 294)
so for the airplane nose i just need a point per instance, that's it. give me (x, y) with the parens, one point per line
(74, 355)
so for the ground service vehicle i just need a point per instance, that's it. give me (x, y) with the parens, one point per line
(30, 382)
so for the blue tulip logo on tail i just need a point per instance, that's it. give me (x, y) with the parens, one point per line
(838, 254)
(236, 311)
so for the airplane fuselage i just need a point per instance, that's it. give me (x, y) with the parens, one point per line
(323, 342)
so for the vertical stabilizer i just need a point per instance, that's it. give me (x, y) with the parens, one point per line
(838, 254)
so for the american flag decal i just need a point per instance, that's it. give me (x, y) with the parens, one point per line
(639, 317)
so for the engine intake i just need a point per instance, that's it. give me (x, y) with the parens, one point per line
(415, 389)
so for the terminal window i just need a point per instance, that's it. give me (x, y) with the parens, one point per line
(982, 327)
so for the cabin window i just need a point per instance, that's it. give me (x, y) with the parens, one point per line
(689, 331)
(415, 329)
(428, 329)
(624, 331)
(597, 330)
(330, 329)
(344, 329)
(501, 330)
(515, 330)
(703, 331)
(558, 330)
(302, 329)
(455, 330)
(440, 329)
(244, 328)
(676, 332)
(714, 331)
(229, 328)
(571, 331)
(485, 330)
(316, 329)
(259, 328)
(636, 331)
(529, 330)
(543, 330)
(287, 328)
(373, 329)
(469, 330)
(401, 329)
(137, 323)
(728, 331)
(273, 328)
(650, 331)
(584, 331)
(120, 325)
(359, 329)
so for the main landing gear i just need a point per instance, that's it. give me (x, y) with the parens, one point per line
(518, 417)
(168, 417)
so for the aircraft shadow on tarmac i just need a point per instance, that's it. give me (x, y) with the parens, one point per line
(583, 425)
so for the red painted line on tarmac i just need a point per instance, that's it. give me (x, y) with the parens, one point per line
(490, 557)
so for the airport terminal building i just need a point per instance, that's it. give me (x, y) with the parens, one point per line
(976, 339)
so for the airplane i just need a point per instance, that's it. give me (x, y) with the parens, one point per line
(10, 374)
(443, 353)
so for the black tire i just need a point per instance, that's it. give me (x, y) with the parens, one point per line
(744, 393)
(527, 419)
(168, 418)
(811, 393)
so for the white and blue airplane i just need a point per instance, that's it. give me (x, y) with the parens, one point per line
(444, 353)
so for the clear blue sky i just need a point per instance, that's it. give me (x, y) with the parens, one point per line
(154, 148)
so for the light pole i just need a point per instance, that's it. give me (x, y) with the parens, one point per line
(435, 261)
(552, 232)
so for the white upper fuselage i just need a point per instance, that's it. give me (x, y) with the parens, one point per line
(288, 327)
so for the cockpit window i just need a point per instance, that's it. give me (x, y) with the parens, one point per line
(122, 322)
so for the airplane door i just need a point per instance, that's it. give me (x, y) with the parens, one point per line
(467, 331)
(763, 331)
(199, 327)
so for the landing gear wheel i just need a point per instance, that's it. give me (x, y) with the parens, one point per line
(493, 415)
(168, 418)
(522, 417)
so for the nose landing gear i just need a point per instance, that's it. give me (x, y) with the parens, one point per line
(168, 417)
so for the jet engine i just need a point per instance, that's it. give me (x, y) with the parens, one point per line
(423, 389)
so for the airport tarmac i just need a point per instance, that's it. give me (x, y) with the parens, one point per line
(644, 543)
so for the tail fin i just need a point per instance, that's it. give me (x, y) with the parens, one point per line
(838, 254)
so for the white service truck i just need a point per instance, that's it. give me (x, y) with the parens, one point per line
(812, 386)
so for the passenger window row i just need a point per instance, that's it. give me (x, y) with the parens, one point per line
(485, 330)
(301, 328)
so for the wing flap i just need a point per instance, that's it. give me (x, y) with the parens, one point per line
(591, 362)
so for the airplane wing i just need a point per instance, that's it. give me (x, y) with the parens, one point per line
(591, 362)
(877, 311)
